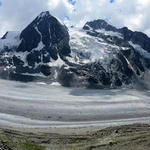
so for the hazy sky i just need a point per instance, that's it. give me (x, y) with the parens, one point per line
(17, 14)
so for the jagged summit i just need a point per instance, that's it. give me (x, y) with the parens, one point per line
(99, 24)
(44, 14)
(135, 37)
(44, 31)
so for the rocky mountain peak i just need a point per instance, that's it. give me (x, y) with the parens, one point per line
(99, 56)
(34, 50)
(45, 39)
(99, 24)
(44, 14)
(43, 33)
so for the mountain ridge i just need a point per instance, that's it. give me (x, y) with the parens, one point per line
(97, 56)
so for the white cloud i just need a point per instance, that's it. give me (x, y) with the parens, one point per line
(16, 14)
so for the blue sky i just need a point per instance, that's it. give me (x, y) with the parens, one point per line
(73, 2)
(17, 14)
(112, 1)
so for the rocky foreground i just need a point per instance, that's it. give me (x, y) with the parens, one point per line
(127, 137)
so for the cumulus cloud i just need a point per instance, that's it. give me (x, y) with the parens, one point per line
(16, 14)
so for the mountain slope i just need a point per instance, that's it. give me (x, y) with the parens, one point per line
(104, 57)
(41, 43)
(97, 56)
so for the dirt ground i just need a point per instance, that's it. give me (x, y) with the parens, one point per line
(127, 137)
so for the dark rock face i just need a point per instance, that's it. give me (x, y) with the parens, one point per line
(136, 37)
(49, 34)
(46, 70)
(48, 30)
(91, 75)
(99, 24)
(44, 47)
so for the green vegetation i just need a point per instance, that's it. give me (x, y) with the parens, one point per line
(114, 138)
(29, 146)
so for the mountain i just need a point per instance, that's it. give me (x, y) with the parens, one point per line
(42, 42)
(98, 55)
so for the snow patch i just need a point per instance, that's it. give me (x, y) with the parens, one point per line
(34, 74)
(40, 45)
(111, 33)
(12, 40)
(22, 56)
(86, 48)
(124, 48)
(139, 49)
(55, 84)
(56, 63)
(44, 14)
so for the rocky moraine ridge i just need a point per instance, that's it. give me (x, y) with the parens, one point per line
(97, 56)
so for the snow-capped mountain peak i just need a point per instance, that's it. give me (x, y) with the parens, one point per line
(44, 14)
(99, 55)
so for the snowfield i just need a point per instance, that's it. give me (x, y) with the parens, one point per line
(91, 49)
